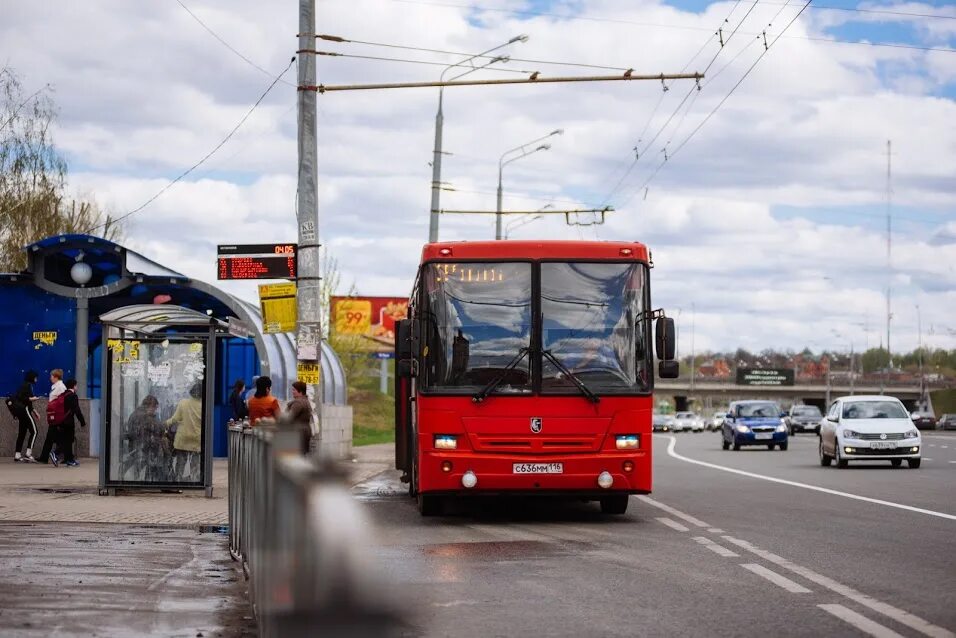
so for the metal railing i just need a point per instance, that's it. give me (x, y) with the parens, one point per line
(301, 539)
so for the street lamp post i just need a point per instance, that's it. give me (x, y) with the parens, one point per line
(523, 151)
(439, 123)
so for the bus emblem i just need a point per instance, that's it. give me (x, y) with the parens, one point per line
(535, 424)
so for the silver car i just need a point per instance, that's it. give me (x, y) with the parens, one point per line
(869, 428)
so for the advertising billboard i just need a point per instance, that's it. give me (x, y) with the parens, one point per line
(372, 318)
(772, 377)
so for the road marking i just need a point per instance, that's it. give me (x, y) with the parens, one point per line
(862, 623)
(932, 445)
(952, 461)
(815, 488)
(673, 524)
(944, 446)
(900, 616)
(777, 579)
(715, 530)
(714, 547)
(670, 510)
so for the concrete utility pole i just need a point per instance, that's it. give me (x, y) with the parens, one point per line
(889, 262)
(309, 326)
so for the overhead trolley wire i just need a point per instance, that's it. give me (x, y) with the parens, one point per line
(583, 65)
(695, 28)
(717, 107)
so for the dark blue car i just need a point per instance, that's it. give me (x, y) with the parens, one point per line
(754, 423)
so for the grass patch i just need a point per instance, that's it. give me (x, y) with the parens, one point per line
(373, 414)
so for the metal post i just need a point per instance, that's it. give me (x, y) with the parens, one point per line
(82, 345)
(436, 174)
(383, 376)
(209, 416)
(498, 208)
(309, 326)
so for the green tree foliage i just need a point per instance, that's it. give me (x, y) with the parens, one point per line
(33, 177)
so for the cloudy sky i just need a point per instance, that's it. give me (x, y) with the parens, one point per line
(767, 223)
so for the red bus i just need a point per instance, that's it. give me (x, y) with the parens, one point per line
(525, 367)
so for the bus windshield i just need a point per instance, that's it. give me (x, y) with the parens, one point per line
(477, 324)
(592, 324)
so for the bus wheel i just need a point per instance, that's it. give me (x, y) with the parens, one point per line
(429, 504)
(616, 504)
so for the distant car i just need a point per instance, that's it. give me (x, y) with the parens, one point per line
(688, 421)
(947, 422)
(924, 420)
(804, 418)
(662, 422)
(869, 428)
(754, 423)
(716, 420)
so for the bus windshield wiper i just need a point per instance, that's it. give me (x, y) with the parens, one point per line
(485, 391)
(580, 384)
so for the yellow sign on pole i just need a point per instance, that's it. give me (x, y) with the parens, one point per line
(278, 305)
(352, 316)
(308, 373)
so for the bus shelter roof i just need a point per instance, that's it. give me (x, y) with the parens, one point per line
(153, 318)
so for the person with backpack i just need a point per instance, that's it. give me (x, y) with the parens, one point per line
(54, 415)
(21, 405)
(67, 427)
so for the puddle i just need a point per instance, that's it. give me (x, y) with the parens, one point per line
(380, 488)
(213, 529)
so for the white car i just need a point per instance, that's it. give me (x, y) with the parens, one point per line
(869, 428)
(688, 421)
(717, 421)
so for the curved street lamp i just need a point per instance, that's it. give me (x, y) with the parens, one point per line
(440, 120)
(522, 151)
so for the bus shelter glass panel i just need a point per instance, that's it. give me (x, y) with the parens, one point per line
(157, 407)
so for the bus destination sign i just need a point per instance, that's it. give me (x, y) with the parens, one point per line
(257, 261)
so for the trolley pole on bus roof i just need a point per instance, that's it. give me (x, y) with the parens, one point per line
(309, 324)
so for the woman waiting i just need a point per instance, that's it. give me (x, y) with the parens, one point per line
(236, 402)
(262, 404)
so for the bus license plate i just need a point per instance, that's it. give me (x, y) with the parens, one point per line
(538, 468)
(883, 445)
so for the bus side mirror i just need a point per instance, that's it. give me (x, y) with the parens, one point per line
(666, 340)
(668, 369)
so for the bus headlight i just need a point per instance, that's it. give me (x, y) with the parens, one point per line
(627, 441)
(446, 442)
(605, 480)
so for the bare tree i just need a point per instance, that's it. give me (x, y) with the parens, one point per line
(33, 176)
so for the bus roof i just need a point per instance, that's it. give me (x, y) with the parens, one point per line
(507, 249)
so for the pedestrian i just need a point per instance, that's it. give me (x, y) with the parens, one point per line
(187, 442)
(67, 427)
(251, 390)
(22, 408)
(148, 450)
(300, 413)
(262, 404)
(56, 382)
(54, 406)
(237, 402)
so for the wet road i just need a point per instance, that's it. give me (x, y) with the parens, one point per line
(59, 579)
(750, 543)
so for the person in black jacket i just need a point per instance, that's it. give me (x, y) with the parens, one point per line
(26, 417)
(67, 429)
(237, 401)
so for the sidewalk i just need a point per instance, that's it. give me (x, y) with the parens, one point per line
(33, 492)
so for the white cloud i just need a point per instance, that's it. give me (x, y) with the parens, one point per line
(734, 220)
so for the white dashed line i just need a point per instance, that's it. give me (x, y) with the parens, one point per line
(777, 579)
(899, 615)
(673, 524)
(856, 497)
(715, 530)
(670, 510)
(862, 623)
(944, 446)
(714, 547)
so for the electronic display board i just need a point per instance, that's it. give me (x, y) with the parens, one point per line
(257, 261)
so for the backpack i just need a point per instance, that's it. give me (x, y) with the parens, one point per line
(13, 406)
(56, 410)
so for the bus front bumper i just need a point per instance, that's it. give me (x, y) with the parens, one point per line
(573, 474)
